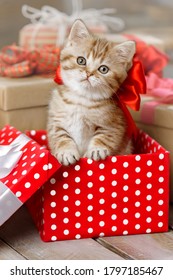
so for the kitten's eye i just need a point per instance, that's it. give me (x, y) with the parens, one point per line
(103, 69)
(81, 60)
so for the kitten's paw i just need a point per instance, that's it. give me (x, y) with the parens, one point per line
(67, 157)
(97, 153)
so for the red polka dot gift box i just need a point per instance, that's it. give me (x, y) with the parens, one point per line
(118, 196)
(24, 168)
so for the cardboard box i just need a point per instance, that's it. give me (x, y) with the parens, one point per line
(118, 196)
(24, 168)
(23, 101)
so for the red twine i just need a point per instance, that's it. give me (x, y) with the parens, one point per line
(17, 62)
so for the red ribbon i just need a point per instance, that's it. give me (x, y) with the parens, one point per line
(133, 86)
(128, 94)
(16, 62)
(58, 78)
(153, 60)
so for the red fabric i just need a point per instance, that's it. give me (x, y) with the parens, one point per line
(133, 86)
(117, 196)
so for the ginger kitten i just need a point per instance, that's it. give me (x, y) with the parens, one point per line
(84, 119)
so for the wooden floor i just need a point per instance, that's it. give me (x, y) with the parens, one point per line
(20, 240)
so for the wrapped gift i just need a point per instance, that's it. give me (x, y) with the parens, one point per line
(24, 168)
(38, 36)
(156, 114)
(23, 101)
(117, 196)
(50, 27)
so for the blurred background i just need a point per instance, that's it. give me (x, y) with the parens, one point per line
(151, 16)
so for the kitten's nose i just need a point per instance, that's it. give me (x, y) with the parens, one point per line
(89, 74)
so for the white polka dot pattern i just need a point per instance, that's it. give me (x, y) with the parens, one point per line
(119, 196)
(35, 167)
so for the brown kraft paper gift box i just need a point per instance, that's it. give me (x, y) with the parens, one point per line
(161, 129)
(23, 101)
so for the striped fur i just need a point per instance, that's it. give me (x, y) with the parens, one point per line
(84, 119)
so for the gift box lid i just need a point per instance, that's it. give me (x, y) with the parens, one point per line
(154, 112)
(24, 167)
(17, 93)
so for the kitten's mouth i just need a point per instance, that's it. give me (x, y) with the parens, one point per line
(86, 80)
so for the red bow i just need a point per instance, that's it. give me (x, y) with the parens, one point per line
(133, 86)
(16, 62)
(128, 94)
(153, 60)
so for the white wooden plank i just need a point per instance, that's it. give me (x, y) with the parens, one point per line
(7, 253)
(20, 233)
(158, 246)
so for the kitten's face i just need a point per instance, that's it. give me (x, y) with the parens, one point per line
(94, 67)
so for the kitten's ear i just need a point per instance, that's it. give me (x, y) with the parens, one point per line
(78, 31)
(126, 51)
